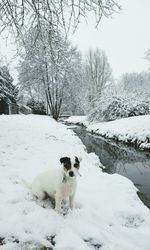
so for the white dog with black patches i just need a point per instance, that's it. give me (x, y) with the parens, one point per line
(58, 183)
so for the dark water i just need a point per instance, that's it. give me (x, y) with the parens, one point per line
(124, 160)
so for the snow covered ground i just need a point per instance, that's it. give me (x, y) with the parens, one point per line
(135, 130)
(108, 213)
(78, 120)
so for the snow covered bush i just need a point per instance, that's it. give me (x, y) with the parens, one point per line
(121, 108)
(98, 106)
(140, 109)
(23, 109)
(37, 107)
(116, 107)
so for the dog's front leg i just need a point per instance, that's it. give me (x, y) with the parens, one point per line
(71, 201)
(58, 200)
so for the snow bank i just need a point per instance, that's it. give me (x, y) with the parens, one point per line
(78, 120)
(135, 130)
(108, 213)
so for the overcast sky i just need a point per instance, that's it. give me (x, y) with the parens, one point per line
(125, 37)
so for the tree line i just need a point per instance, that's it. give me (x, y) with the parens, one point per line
(54, 78)
(53, 73)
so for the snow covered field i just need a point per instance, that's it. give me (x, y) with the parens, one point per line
(135, 130)
(108, 213)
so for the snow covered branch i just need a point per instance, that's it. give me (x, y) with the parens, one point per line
(20, 15)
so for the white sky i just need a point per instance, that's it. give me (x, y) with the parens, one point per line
(125, 37)
(7, 54)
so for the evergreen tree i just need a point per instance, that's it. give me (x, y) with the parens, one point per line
(7, 89)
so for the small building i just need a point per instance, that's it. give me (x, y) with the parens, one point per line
(4, 107)
(8, 107)
(8, 93)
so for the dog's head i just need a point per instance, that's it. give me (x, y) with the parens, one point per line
(71, 165)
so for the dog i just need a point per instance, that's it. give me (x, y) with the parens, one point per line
(59, 183)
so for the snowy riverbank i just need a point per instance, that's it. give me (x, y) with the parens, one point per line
(108, 213)
(132, 130)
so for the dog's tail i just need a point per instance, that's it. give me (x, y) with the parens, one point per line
(27, 184)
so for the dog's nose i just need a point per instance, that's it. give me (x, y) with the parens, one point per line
(71, 173)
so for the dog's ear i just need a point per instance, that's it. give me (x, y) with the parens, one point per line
(78, 159)
(65, 160)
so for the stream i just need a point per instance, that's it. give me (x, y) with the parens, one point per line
(121, 159)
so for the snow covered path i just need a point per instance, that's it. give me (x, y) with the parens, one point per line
(108, 214)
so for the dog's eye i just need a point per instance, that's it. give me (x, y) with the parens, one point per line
(76, 165)
(67, 166)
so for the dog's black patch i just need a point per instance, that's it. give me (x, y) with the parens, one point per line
(77, 160)
(77, 163)
(67, 162)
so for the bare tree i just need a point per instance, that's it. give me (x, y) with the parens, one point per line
(135, 84)
(20, 15)
(98, 72)
(46, 65)
(73, 96)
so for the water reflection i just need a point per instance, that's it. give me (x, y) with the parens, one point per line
(120, 159)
